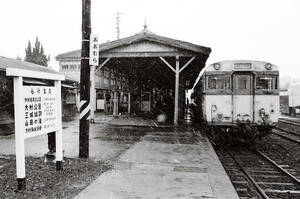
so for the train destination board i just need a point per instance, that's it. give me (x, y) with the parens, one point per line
(39, 110)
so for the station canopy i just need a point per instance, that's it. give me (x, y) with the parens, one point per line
(150, 59)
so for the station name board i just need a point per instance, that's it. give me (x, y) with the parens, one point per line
(39, 110)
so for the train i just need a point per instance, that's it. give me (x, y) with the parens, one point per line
(235, 92)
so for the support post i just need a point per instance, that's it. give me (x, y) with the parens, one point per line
(102, 77)
(19, 132)
(176, 91)
(92, 93)
(84, 125)
(129, 105)
(115, 101)
(58, 135)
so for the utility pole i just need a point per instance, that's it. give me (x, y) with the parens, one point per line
(118, 24)
(84, 123)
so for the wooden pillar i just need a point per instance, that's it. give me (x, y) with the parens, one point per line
(129, 103)
(92, 94)
(102, 77)
(176, 107)
(58, 134)
(110, 90)
(19, 132)
(109, 78)
(115, 101)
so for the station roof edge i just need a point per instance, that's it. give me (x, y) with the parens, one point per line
(143, 35)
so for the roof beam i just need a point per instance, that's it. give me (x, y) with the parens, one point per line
(187, 63)
(101, 65)
(167, 63)
(146, 54)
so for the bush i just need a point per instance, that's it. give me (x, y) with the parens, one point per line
(6, 95)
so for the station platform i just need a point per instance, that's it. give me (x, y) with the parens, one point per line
(297, 119)
(160, 161)
(166, 164)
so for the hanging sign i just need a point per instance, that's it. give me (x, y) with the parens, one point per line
(94, 50)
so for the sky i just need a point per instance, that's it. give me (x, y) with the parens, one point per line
(266, 30)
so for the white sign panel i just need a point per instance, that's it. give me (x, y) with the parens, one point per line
(40, 106)
(94, 50)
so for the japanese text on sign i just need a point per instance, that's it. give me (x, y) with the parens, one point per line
(39, 109)
(94, 50)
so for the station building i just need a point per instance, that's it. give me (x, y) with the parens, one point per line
(141, 74)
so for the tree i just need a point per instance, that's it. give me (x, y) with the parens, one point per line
(36, 54)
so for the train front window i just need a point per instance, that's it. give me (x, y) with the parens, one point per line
(266, 82)
(218, 82)
(243, 81)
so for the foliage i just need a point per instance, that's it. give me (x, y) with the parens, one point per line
(36, 54)
(6, 93)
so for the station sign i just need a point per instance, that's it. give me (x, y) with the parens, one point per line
(37, 111)
(94, 50)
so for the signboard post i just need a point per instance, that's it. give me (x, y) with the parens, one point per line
(37, 112)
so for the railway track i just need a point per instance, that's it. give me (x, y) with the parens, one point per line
(287, 134)
(254, 173)
(291, 122)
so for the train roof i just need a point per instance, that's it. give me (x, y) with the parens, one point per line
(242, 65)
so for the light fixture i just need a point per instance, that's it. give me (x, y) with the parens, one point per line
(268, 66)
(217, 66)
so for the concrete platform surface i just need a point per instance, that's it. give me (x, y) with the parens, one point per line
(160, 169)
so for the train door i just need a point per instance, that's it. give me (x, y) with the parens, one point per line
(243, 97)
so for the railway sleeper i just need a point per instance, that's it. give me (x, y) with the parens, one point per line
(279, 186)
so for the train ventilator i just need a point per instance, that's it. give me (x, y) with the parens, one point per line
(241, 92)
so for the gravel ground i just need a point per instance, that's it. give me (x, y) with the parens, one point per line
(281, 151)
(43, 181)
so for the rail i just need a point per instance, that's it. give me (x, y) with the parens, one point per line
(250, 162)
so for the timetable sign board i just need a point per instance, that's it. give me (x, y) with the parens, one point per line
(40, 110)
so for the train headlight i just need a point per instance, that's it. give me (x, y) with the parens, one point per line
(217, 66)
(214, 108)
(268, 66)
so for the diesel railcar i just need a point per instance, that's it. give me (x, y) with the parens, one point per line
(240, 91)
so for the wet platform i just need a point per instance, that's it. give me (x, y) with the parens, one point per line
(166, 163)
(151, 160)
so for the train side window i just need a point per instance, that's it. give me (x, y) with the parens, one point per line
(266, 82)
(218, 82)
